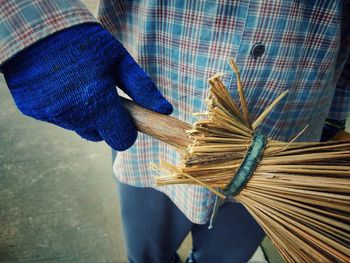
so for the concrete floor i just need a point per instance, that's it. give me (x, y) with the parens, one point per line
(57, 198)
(57, 194)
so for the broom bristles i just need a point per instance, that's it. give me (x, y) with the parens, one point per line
(299, 193)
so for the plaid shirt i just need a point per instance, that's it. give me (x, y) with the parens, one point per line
(182, 43)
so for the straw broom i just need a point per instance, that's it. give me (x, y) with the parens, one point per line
(298, 192)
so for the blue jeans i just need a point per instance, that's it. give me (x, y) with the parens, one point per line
(154, 229)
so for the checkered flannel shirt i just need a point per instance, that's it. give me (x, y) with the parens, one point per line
(180, 44)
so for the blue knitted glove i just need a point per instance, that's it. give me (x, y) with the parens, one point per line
(69, 79)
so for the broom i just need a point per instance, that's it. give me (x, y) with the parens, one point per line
(298, 192)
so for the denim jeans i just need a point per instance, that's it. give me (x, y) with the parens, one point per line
(154, 228)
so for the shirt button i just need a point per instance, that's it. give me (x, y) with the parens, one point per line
(257, 50)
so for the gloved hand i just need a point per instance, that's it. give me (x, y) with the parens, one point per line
(69, 79)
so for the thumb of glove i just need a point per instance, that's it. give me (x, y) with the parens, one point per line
(115, 126)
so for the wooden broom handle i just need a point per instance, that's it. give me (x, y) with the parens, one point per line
(165, 128)
(171, 130)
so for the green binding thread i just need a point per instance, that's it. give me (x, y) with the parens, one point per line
(248, 165)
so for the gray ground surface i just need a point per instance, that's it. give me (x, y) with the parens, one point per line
(57, 198)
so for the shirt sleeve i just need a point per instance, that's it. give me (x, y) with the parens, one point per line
(24, 22)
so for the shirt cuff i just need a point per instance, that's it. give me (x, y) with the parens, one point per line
(23, 23)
